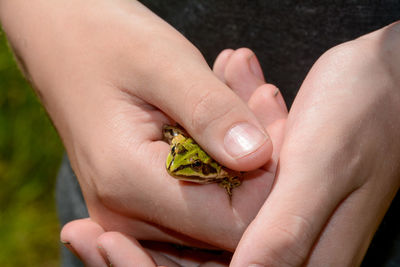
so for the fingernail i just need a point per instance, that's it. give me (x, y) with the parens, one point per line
(255, 67)
(105, 255)
(256, 265)
(243, 139)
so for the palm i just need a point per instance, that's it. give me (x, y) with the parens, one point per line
(142, 199)
(143, 204)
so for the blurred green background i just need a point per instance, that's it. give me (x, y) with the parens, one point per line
(30, 154)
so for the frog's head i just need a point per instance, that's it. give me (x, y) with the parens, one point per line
(187, 161)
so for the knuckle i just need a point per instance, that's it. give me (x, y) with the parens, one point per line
(209, 108)
(237, 59)
(294, 241)
(243, 53)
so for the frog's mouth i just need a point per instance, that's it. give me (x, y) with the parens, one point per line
(197, 169)
(196, 179)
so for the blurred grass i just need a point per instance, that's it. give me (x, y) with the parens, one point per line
(30, 154)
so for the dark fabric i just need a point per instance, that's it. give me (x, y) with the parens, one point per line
(288, 36)
(70, 206)
(385, 247)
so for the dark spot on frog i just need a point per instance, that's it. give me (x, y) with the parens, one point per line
(180, 149)
(207, 169)
(170, 164)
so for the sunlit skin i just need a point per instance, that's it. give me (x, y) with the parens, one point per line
(326, 215)
(109, 109)
(111, 94)
(268, 105)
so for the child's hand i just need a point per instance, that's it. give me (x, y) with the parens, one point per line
(266, 102)
(110, 74)
(339, 165)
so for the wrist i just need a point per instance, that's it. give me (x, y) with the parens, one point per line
(27, 26)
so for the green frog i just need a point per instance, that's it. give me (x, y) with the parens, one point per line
(187, 161)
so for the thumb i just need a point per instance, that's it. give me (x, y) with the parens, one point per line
(308, 189)
(287, 226)
(226, 128)
(215, 117)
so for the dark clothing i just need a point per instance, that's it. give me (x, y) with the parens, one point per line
(287, 36)
(70, 206)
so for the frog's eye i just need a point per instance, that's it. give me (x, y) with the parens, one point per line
(196, 165)
(169, 131)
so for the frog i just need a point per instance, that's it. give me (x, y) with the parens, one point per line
(187, 161)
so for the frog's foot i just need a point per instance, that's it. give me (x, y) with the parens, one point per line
(229, 183)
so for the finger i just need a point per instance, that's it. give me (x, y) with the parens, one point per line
(363, 210)
(214, 115)
(171, 255)
(281, 237)
(243, 73)
(80, 237)
(220, 63)
(123, 251)
(290, 221)
(266, 103)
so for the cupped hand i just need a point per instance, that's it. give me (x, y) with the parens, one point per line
(110, 74)
(339, 164)
(95, 247)
(84, 237)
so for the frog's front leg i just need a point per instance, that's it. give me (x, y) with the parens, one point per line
(230, 183)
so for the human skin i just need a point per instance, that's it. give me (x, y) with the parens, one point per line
(334, 186)
(110, 74)
(73, 86)
(94, 246)
(346, 116)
